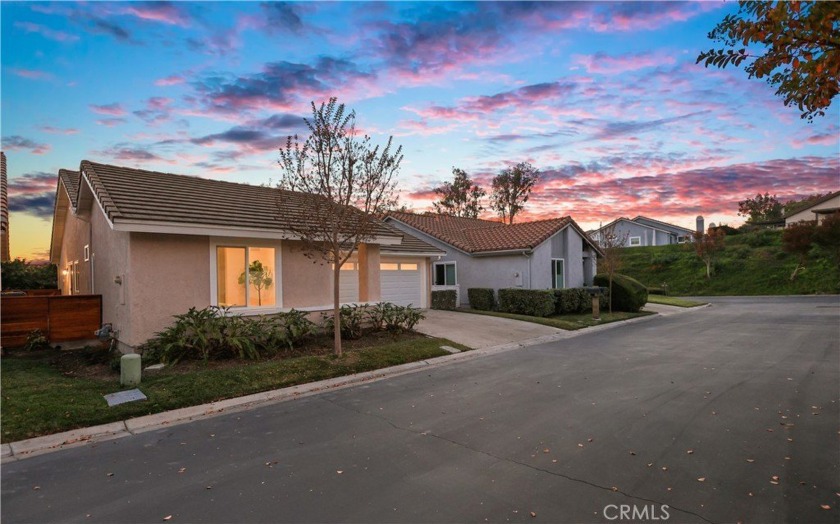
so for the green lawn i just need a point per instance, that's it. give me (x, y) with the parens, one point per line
(674, 301)
(41, 397)
(567, 322)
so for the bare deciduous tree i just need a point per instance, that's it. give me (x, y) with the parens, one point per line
(708, 246)
(611, 243)
(345, 182)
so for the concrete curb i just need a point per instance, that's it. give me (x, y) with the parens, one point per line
(33, 447)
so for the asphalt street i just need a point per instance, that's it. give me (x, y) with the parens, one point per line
(730, 413)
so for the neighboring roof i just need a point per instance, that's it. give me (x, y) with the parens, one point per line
(410, 245)
(71, 182)
(813, 204)
(661, 223)
(636, 221)
(136, 197)
(475, 236)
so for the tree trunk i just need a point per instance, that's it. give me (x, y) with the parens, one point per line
(708, 269)
(611, 295)
(337, 308)
(795, 271)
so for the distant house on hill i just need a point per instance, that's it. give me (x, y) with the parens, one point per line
(644, 231)
(816, 211)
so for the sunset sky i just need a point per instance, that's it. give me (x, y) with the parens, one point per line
(604, 98)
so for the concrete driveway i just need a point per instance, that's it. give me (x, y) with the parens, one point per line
(728, 414)
(480, 331)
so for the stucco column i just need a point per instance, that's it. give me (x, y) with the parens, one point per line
(369, 285)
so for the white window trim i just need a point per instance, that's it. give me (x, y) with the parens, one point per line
(631, 244)
(87, 252)
(434, 272)
(216, 242)
(554, 272)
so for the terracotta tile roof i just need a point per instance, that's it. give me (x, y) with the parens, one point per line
(483, 236)
(71, 182)
(410, 245)
(137, 195)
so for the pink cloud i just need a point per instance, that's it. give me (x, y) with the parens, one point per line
(19, 143)
(601, 63)
(32, 74)
(46, 32)
(170, 80)
(111, 122)
(59, 130)
(114, 109)
(163, 12)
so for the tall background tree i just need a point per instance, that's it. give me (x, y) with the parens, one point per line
(347, 182)
(762, 208)
(460, 198)
(708, 246)
(796, 47)
(511, 190)
(612, 245)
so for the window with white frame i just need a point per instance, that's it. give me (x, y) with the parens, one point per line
(87, 252)
(682, 239)
(635, 241)
(445, 274)
(558, 277)
(75, 270)
(245, 276)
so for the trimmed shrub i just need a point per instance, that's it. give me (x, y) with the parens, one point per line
(532, 302)
(566, 301)
(572, 300)
(483, 299)
(628, 293)
(444, 299)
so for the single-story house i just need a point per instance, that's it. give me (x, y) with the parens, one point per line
(644, 231)
(543, 254)
(156, 244)
(817, 210)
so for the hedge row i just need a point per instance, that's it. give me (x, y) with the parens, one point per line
(483, 299)
(533, 302)
(445, 299)
(628, 293)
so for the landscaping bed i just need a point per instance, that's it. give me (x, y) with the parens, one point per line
(49, 391)
(570, 322)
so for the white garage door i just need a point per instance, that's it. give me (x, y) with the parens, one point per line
(401, 282)
(348, 284)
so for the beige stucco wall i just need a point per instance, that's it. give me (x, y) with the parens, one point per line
(170, 274)
(370, 286)
(109, 260)
(306, 282)
(76, 235)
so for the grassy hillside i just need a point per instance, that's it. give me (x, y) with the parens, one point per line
(752, 264)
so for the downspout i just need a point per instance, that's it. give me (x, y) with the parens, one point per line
(527, 255)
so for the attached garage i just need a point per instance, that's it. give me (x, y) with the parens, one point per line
(403, 273)
(402, 281)
(348, 286)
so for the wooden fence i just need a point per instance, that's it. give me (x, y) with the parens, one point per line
(60, 318)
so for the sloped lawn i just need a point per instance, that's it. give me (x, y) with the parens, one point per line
(50, 391)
